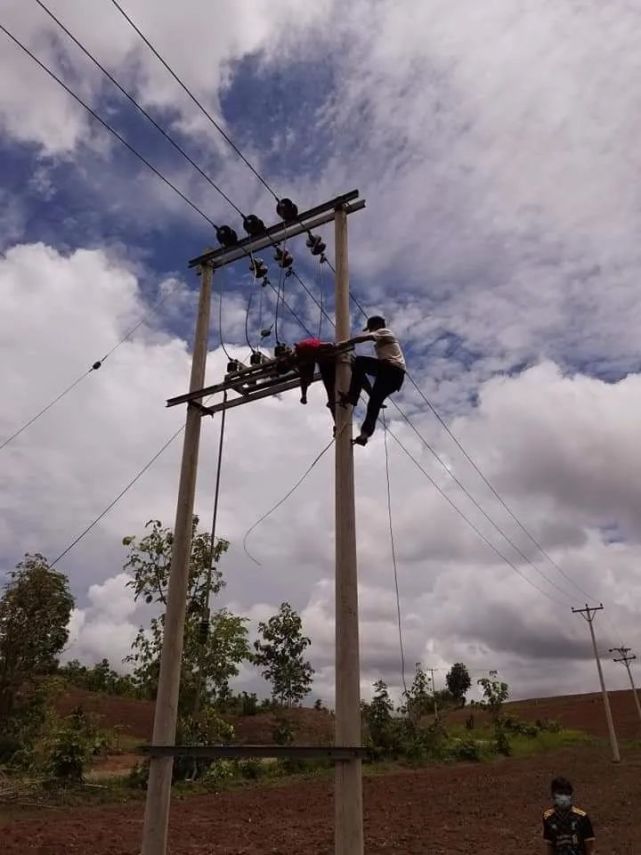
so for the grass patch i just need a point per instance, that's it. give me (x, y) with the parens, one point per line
(523, 746)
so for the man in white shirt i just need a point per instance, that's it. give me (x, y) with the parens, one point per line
(387, 369)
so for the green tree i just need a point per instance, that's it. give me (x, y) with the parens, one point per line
(495, 694)
(34, 615)
(419, 699)
(280, 653)
(214, 644)
(458, 682)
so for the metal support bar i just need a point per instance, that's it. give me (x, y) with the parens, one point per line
(255, 396)
(332, 752)
(233, 380)
(281, 231)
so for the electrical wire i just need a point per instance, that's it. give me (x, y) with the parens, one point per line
(195, 100)
(141, 109)
(473, 526)
(118, 497)
(394, 562)
(107, 126)
(45, 409)
(477, 504)
(494, 491)
(95, 366)
(220, 322)
(249, 305)
(283, 500)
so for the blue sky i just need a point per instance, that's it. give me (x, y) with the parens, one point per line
(497, 150)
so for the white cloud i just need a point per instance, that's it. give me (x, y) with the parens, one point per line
(558, 446)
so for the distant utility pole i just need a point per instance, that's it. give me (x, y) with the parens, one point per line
(588, 614)
(625, 658)
(431, 670)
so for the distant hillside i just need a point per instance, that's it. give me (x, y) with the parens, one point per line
(577, 712)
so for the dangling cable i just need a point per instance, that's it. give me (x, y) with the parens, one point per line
(220, 321)
(282, 501)
(206, 615)
(394, 563)
(249, 305)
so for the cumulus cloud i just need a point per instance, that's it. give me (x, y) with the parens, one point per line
(497, 147)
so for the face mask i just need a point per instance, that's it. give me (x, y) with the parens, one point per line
(562, 801)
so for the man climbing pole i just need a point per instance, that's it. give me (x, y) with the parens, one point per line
(387, 369)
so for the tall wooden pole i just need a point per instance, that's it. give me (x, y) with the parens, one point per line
(624, 653)
(348, 793)
(589, 613)
(160, 768)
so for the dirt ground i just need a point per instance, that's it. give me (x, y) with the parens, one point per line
(486, 809)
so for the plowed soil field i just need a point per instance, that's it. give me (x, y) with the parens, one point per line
(488, 809)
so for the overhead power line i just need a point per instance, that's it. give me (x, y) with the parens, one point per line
(195, 100)
(478, 505)
(394, 562)
(95, 366)
(106, 125)
(473, 526)
(493, 490)
(141, 109)
(115, 501)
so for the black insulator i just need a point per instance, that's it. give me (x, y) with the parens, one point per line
(258, 268)
(203, 631)
(254, 226)
(316, 244)
(233, 365)
(226, 236)
(283, 258)
(256, 358)
(287, 210)
(281, 350)
(96, 365)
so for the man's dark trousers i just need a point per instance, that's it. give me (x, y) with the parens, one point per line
(388, 378)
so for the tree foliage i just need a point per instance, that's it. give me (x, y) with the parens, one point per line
(419, 699)
(280, 652)
(101, 677)
(214, 642)
(34, 615)
(495, 694)
(458, 682)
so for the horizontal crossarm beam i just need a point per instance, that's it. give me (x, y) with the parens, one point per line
(230, 403)
(306, 221)
(332, 752)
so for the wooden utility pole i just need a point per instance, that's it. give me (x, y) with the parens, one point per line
(431, 670)
(624, 653)
(166, 710)
(588, 614)
(348, 794)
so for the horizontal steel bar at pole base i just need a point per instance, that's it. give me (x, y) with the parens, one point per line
(332, 752)
(275, 234)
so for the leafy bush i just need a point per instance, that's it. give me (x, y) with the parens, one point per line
(73, 743)
(501, 742)
(467, 750)
(205, 728)
(514, 725)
